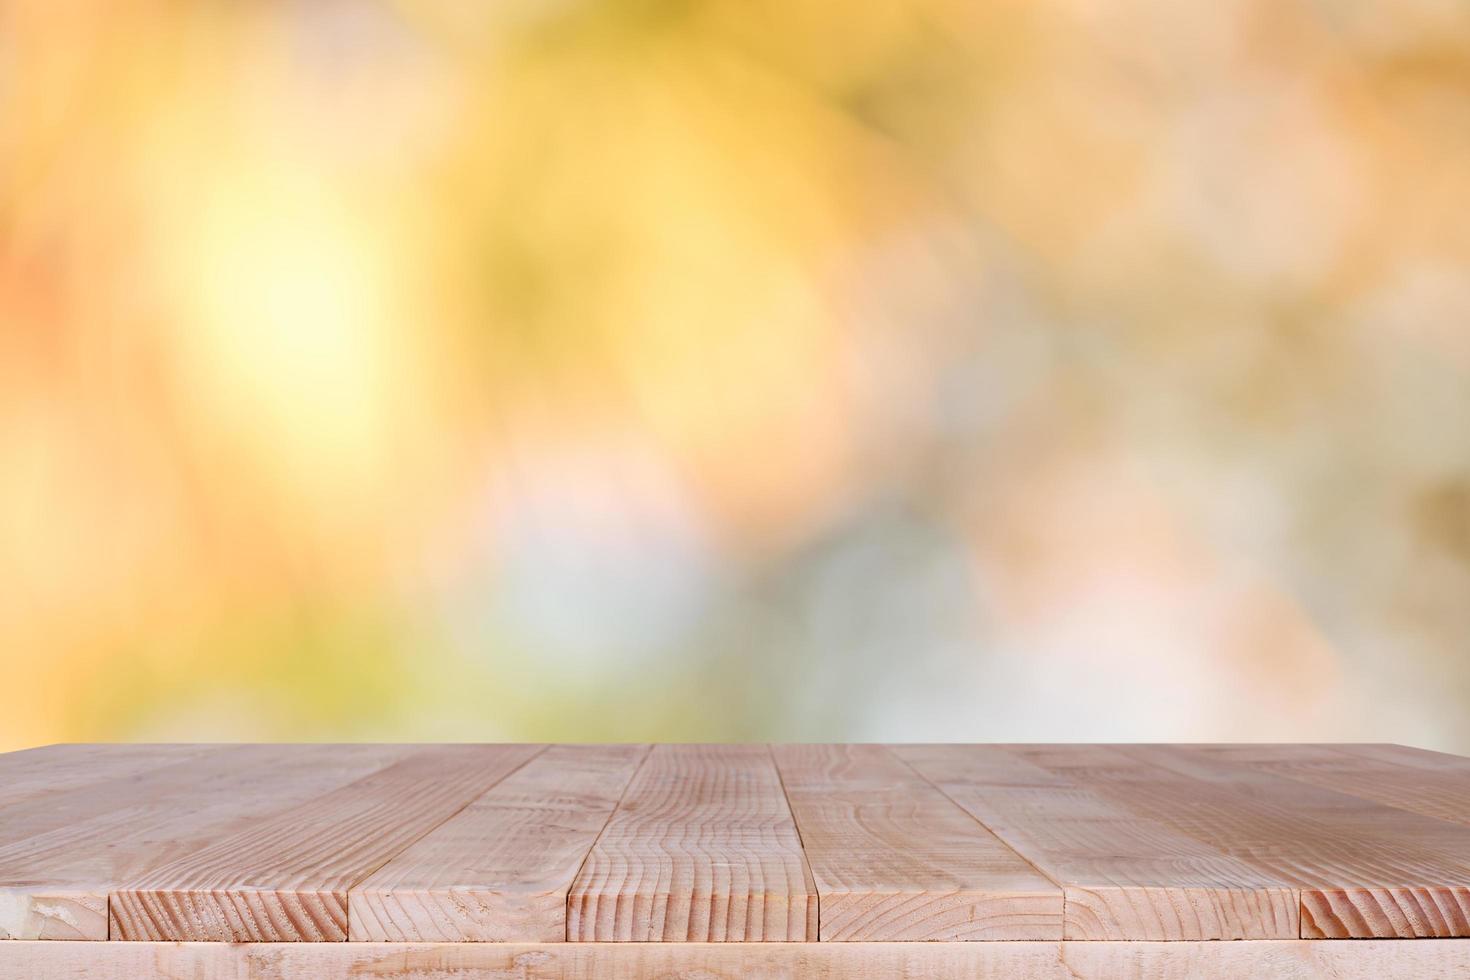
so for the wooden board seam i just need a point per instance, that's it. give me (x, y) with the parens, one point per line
(1173, 762)
(1356, 841)
(623, 795)
(347, 891)
(816, 893)
(1395, 764)
(703, 846)
(991, 830)
(1335, 750)
(221, 892)
(1061, 887)
(374, 870)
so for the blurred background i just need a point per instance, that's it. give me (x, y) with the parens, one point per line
(735, 369)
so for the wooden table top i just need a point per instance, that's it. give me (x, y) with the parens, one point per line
(696, 844)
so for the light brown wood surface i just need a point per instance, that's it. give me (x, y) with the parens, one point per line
(1249, 960)
(893, 858)
(500, 869)
(1401, 755)
(285, 878)
(57, 768)
(1362, 869)
(1125, 876)
(1430, 783)
(62, 854)
(703, 848)
(744, 861)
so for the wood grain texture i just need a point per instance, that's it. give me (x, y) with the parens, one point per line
(1404, 755)
(1249, 960)
(702, 848)
(500, 869)
(1363, 870)
(1429, 783)
(58, 768)
(1124, 876)
(895, 859)
(61, 854)
(692, 844)
(286, 878)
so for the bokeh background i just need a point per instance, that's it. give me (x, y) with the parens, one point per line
(735, 369)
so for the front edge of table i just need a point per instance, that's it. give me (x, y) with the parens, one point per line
(1342, 960)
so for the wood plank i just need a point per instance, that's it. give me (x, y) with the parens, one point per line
(1434, 788)
(702, 848)
(62, 854)
(50, 769)
(500, 869)
(1406, 755)
(285, 878)
(322, 842)
(1249, 960)
(894, 859)
(1363, 870)
(1124, 876)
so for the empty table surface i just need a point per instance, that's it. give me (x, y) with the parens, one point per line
(1046, 847)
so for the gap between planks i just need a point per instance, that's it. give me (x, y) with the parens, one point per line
(1124, 877)
(62, 857)
(894, 859)
(890, 749)
(287, 877)
(703, 847)
(1254, 774)
(781, 778)
(358, 888)
(582, 865)
(500, 869)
